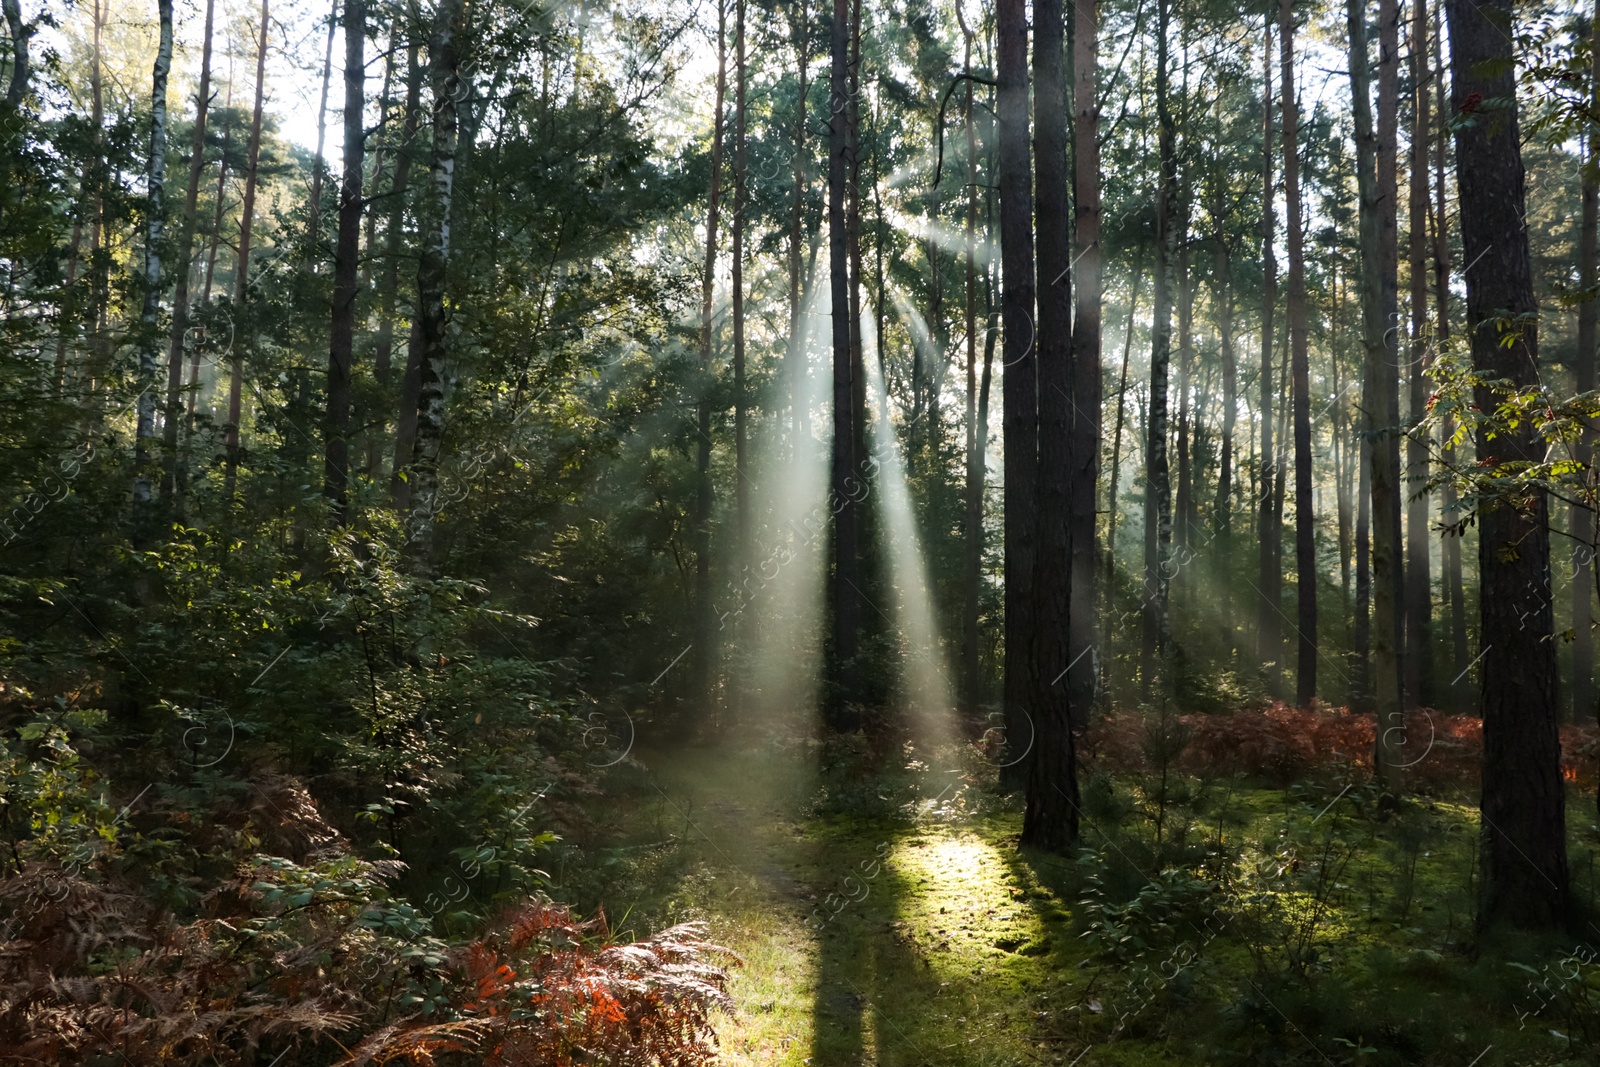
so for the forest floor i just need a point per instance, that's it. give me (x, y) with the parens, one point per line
(896, 923)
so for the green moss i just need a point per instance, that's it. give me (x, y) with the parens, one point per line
(893, 938)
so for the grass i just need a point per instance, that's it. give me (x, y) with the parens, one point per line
(896, 923)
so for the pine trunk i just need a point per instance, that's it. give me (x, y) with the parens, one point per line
(1020, 399)
(1419, 606)
(1581, 519)
(154, 243)
(241, 277)
(1375, 175)
(1083, 674)
(1158, 493)
(1269, 633)
(972, 526)
(846, 556)
(740, 406)
(1051, 818)
(1523, 801)
(182, 263)
(1305, 518)
(341, 346)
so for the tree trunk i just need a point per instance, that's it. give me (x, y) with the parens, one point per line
(972, 526)
(740, 166)
(1375, 175)
(1581, 520)
(154, 242)
(432, 272)
(1451, 546)
(314, 205)
(1305, 517)
(214, 243)
(1418, 607)
(241, 278)
(704, 610)
(1084, 673)
(389, 285)
(1523, 802)
(1020, 387)
(796, 357)
(346, 256)
(1116, 433)
(1187, 446)
(1051, 818)
(1222, 511)
(11, 120)
(1158, 491)
(182, 260)
(1269, 634)
(846, 556)
(21, 34)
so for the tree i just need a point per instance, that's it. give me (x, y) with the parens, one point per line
(1158, 499)
(449, 89)
(1418, 601)
(341, 348)
(1375, 179)
(1051, 819)
(154, 244)
(241, 278)
(740, 402)
(183, 261)
(972, 518)
(846, 561)
(1305, 518)
(1523, 803)
(1083, 663)
(1020, 394)
(1580, 519)
(1269, 575)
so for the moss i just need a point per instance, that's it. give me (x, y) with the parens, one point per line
(893, 937)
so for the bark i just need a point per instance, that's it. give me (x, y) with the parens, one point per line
(1523, 800)
(1375, 175)
(1269, 634)
(704, 610)
(1116, 433)
(1158, 492)
(1581, 519)
(796, 357)
(1187, 446)
(1051, 818)
(184, 256)
(1083, 674)
(1222, 299)
(21, 35)
(241, 278)
(389, 284)
(1305, 518)
(1451, 546)
(154, 244)
(846, 563)
(346, 256)
(449, 88)
(972, 526)
(740, 167)
(1020, 398)
(314, 207)
(1418, 606)
(215, 242)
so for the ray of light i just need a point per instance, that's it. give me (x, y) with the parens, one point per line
(927, 680)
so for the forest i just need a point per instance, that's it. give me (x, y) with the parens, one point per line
(921, 533)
